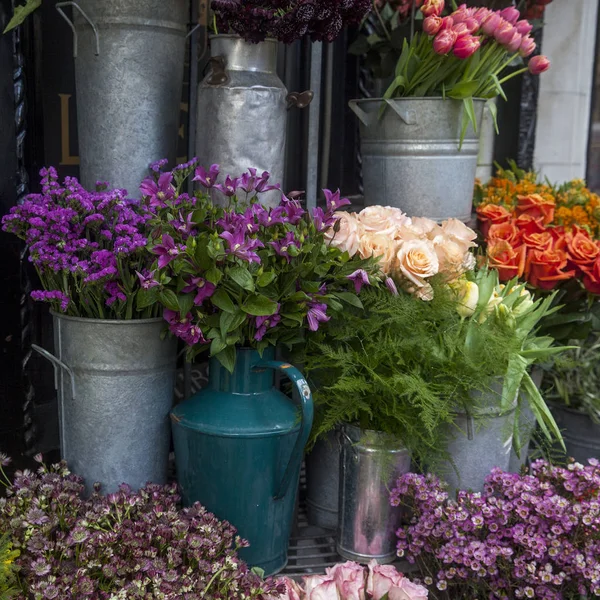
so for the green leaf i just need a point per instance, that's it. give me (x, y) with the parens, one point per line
(213, 275)
(350, 298)
(21, 13)
(186, 303)
(201, 255)
(217, 345)
(265, 279)
(493, 110)
(146, 298)
(359, 46)
(227, 358)
(221, 299)
(295, 317)
(169, 299)
(242, 277)
(231, 321)
(259, 306)
(463, 90)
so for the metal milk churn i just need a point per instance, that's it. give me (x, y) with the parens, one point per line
(129, 61)
(239, 445)
(242, 111)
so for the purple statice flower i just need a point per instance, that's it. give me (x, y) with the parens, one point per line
(158, 165)
(360, 277)
(334, 200)
(146, 279)
(207, 178)
(282, 247)
(230, 186)
(204, 289)
(114, 292)
(389, 282)
(167, 251)
(52, 296)
(316, 314)
(187, 165)
(263, 324)
(241, 246)
(159, 191)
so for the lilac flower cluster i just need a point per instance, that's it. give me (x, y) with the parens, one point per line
(244, 274)
(526, 536)
(123, 545)
(288, 20)
(86, 246)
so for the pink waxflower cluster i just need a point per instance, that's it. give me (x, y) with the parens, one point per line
(351, 581)
(465, 30)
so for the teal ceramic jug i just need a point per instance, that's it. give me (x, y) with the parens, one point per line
(238, 450)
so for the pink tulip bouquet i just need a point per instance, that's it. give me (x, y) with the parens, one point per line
(411, 251)
(350, 581)
(465, 55)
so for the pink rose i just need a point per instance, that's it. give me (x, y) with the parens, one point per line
(320, 587)
(347, 238)
(350, 580)
(407, 590)
(381, 579)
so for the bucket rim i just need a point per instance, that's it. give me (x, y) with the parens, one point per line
(414, 98)
(568, 409)
(235, 36)
(107, 321)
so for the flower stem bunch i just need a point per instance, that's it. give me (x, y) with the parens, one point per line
(527, 536)
(287, 20)
(351, 581)
(120, 546)
(244, 274)
(87, 247)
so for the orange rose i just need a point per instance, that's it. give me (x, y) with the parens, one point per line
(591, 278)
(491, 214)
(508, 261)
(536, 206)
(529, 224)
(538, 241)
(545, 268)
(507, 231)
(582, 251)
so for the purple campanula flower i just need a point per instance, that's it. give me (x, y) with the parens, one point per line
(147, 280)
(207, 178)
(318, 219)
(282, 246)
(334, 201)
(316, 314)
(230, 186)
(184, 328)
(248, 181)
(184, 225)
(205, 289)
(262, 184)
(231, 221)
(240, 246)
(389, 282)
(272, 216)
(166, 251)
(265, 323)
(158, 191)
(360, 277)
(292, 209)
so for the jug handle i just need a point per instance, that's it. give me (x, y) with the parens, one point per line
(307, 420)
(64, 16)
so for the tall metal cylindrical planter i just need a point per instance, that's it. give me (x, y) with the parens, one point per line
(322, 481)
(115, 382)
(129, 77)
(370, 464)
(487, 140)
(411, 156)
(580, 434)
(242, 111)
(478, 442)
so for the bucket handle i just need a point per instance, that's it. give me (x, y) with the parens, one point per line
(409, 116)
(307, 420)
(56, 363)
(299, 99)
(72, 26)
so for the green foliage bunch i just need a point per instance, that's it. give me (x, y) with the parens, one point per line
(7, 568)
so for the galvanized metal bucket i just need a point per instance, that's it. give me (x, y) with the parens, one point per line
(242, 111)
(129, 77)
(580, 434)
(371, 462)
(115, 382)
(411, 157)
(487, 140)
(323, 481)
(479, 442)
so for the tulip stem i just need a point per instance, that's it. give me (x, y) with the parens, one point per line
(387, 33)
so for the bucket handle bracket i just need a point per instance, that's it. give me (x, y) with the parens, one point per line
(307, 420)
(299, 99)
(409, 116)
(56, 363)
(72, 26)
(218, 68)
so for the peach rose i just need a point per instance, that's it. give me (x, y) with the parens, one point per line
(491, 214)
(546, 268)
(347, 238)
(508, 261)
(417, 260)
(383, 220)
(538, 241)
(379, 246)
(536, 206)
(582, 251)
(506, 231)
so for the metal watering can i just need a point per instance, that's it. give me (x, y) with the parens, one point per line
(239, 445)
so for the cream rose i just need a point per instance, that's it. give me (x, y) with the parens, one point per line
(417, 260)
(382, 220)
(381, 246)
(454, 257)
(347, 238)
(459, 233)
(419, 228)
